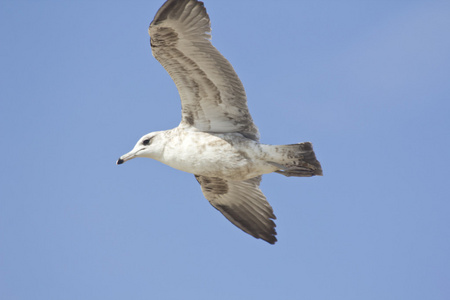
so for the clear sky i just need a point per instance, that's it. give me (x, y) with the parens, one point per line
(367, 82)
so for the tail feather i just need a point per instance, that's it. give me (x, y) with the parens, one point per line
(297, 160)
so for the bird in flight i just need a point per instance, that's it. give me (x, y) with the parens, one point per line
(216, 139)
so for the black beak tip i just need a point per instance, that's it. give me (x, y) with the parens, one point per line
(119, 161)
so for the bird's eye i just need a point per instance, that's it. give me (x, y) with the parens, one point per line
(146, 142)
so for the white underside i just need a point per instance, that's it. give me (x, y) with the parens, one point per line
(229, 155)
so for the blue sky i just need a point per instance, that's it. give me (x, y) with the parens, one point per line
(366, 81)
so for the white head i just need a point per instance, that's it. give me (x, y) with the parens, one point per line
(150, 145)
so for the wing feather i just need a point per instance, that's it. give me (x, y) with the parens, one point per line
(212, 96)
(243, 204)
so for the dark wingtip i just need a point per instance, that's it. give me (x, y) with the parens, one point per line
(272, 240)
(119, 161)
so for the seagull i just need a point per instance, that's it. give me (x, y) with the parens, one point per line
(216, 139)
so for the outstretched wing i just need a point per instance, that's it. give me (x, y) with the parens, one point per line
(212, 96)
(243, 203)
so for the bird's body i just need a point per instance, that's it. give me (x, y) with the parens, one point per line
(230, 156)
(216, 140)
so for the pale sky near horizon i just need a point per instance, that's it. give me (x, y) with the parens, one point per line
(367, 82)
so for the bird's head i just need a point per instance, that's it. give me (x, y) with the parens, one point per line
(150, 145)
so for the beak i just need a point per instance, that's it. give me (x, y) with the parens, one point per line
(125, 157)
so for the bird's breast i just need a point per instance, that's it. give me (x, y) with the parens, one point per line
(226, 156)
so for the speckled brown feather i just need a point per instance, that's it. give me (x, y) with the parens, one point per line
(212, 96)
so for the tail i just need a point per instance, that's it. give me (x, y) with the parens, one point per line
(297, 160)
